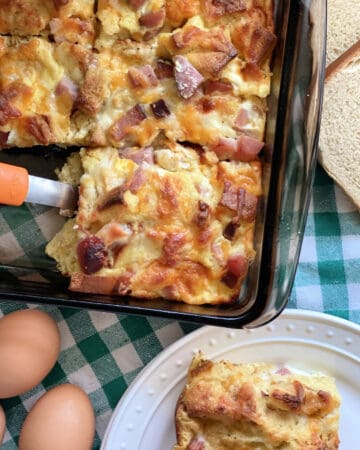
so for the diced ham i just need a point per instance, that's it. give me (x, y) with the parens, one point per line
(187, 78)
(92, 254)
(160, 109)
(203, 213)
(3, 138)
(144, 155)
(283, 371)
(138, 179)
(227, 6)
(153, 19)
(164, 69)
(247, 205)
(7, 111)
(136, 4)
(241, 201)
(142, 77)
(229, 197)
(218, 253)
(225, 148)
(247, 148)
(221, 86)
(59, 3)
(242, 119)
(39, 127)
(197, 443)
(172, 244)
(68, 87)
(132, 117)
(238, 265)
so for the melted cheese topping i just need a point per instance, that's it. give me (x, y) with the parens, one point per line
(73, 21)
(167, 251)
(34, 77)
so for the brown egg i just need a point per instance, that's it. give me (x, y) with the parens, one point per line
(2, 424)
(62, 419)
(29, 347)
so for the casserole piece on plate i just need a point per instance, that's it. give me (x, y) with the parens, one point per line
(243, 406)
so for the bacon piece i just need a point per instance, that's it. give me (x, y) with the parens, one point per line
(187, 78)
(92, 254)
(172, 244)
(142, 77)
(39, 127)
(3, 138)
(136, 4)
(68, 87)
(160, 109)
(131, 118)
(144, 155)
(138, 179)
(221, 86)
(238, 265)
(59, 3)
(7, 111)
(203, 214)
(225, 148)
(153, 19)
(247, 148)
(244, 203)
(196, 443)
(164, 69)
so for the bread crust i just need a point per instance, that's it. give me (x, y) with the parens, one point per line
(343, 61)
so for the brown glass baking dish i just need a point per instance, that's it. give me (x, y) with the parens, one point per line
(289, 163)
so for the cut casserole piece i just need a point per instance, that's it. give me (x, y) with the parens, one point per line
(256, 406)
(166, 222)
(65, 20)
(42, 84)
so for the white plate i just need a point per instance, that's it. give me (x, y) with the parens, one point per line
(303, 340)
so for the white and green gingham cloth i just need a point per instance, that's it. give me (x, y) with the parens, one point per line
(103, 352)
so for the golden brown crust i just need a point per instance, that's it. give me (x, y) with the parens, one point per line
(226, 405)
(343, 61)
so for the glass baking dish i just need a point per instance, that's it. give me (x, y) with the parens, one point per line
(289, 161)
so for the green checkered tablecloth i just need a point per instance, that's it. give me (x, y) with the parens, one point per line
(103, 352)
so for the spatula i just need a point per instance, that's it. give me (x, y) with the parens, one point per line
(17, 186)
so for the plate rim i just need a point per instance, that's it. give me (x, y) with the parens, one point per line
(288, 313)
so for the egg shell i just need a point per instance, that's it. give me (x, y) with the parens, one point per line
(2, 424)
(62, 419)
(29, 348)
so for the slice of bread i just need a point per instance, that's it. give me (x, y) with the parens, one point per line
(343, 27)
(339, 144)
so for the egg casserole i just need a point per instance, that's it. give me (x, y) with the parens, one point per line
(168, 96)
(256, 406)
(161, 222)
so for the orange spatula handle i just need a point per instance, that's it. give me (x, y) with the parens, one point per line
(14, 184)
